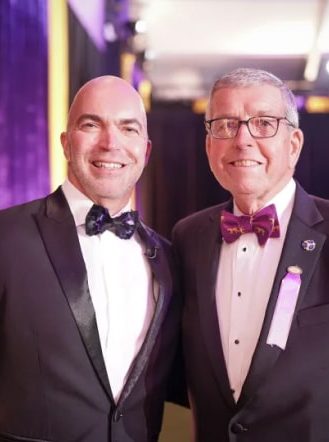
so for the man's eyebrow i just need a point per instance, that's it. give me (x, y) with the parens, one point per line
(92, 117)
(98, 119)
(130, 121)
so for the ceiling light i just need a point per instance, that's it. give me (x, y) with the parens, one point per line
(140, 26)
(110, 34)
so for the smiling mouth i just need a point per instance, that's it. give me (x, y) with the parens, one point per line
(108, 166)
(245, 163)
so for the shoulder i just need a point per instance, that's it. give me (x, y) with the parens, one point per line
(19, 232)
(311, 206)
(322, 205)
(198, 219)
(21, 210)
(54, 201)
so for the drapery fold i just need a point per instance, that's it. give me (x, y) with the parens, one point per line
(24, 170)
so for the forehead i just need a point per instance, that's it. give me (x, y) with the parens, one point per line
(250, 100)
(109, 102)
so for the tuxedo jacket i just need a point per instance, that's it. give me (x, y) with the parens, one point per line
(53, 382)
(285, 397)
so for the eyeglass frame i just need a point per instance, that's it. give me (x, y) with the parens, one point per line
(246, 122)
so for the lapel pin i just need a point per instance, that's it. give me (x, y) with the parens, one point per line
(296, 270)
(309, 245)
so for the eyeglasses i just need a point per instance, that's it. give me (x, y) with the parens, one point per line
(259, 127)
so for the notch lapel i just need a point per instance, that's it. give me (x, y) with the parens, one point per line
(304, 217)
(58, 231)
(209, 244)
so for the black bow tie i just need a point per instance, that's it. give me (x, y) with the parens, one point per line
(98, 220)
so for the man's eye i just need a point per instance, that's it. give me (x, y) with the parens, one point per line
(265, 122)
(88, 125)
(130, 130)
(221, 124)
(231, 124)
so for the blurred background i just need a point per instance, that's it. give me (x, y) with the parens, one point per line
(171, 51)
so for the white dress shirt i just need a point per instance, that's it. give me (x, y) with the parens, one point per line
(120, 285)
(244, 282)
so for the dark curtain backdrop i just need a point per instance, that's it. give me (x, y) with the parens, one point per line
(86, 61)
(24, 172)
(177, 180)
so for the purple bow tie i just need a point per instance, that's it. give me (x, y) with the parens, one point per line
(98, 220)
(264, 223)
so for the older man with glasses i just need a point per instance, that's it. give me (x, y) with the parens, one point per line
(255, 275)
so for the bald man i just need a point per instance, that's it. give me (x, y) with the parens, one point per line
(89, 322)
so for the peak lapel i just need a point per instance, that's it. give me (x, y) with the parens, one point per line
(61, 241)
(163, 290)
(301, 227)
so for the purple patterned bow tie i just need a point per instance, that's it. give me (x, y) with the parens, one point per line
(98, 220)
(264, 223)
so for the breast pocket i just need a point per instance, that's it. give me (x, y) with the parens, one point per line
(313, 316)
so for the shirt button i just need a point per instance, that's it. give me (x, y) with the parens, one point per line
(237, 341)
(238, 428)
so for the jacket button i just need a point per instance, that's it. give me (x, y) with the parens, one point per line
(117, 416)
(238, 428)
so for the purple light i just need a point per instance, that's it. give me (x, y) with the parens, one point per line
(300, 102)
(91, 15)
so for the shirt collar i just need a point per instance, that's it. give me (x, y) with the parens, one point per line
(80, 204)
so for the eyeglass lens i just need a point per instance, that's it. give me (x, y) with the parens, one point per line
(258, 127)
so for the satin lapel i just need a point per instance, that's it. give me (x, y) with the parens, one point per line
(209, 243)
(162, 290)
(301, 227)
(61, 241)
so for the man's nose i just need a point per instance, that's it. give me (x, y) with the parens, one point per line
(109, 138)
(243, 138)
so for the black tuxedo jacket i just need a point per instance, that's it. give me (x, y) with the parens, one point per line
(285, 397)
(53, 381)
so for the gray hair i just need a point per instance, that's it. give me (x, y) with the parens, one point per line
(244, 77)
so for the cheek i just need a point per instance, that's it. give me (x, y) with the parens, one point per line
(215, 157)
(81, 144)
(140, 152)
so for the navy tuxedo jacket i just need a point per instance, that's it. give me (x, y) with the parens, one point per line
(53, 382)
(285, 397)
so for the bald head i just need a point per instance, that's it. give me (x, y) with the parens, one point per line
(106, 142)
(106, 87)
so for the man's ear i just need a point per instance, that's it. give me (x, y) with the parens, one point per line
(65, 145)
(148, 151)
(296, 144)
(207, 144)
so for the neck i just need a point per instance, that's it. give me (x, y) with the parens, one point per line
(248, 204)
(113, 207)
(249, 207)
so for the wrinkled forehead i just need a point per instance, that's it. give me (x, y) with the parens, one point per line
(251, 99)
(110, 100)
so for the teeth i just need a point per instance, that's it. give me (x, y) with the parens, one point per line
(245, 163)
(108, 165)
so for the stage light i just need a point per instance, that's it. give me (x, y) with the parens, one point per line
(327, 66)
(316, 104)
(110, 34)
(140, 26)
